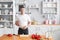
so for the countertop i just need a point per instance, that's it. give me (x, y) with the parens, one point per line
(20, 37)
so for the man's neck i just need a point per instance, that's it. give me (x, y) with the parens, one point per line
(22, 14)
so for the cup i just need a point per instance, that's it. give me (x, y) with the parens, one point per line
(5, 5)
(1, 25)
(11, 12)
(6, 12)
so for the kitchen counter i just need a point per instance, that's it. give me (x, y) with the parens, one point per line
(47, 24)
(42, 29)
(21, 37)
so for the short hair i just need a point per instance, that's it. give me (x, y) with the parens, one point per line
(21, 6)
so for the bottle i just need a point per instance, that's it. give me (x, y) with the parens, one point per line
(50, 21)
(54, 22)
(11, 12)
(46, 22)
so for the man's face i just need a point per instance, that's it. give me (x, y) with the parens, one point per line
(22, 10)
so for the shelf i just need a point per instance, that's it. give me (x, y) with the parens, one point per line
(49, 13)
(7, 27)
(6, 2)
(6, 8)
(6, 15)
(6, 12)
(1, 27)
(49, 7)
(34, 8)
(47, 25)
(49, 2)
(5, 21)
(20, 3)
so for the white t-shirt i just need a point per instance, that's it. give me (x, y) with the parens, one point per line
(23, 19)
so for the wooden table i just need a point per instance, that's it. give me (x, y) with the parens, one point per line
(17, 37)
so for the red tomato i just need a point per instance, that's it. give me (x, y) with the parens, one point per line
(33, 36)
(38, 37)
(10, 35)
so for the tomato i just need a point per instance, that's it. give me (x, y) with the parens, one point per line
(10, 35)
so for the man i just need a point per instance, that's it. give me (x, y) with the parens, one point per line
(23, 21)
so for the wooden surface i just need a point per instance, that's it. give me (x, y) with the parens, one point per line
(5, 37)
(17, 37)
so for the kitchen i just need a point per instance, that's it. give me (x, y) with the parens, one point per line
(44, 16)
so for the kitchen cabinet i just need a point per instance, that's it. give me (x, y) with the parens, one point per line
(6, 14)
(6, 17)
(50, 9)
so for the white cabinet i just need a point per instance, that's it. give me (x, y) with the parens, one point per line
(50, 11)
(49, 7)
(6, 17)
(6, 14)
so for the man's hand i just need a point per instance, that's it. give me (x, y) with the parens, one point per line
(29, 23)
(24, 27)
(17, 23)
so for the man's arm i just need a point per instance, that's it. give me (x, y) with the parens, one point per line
(17, 23)
(29, 23)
